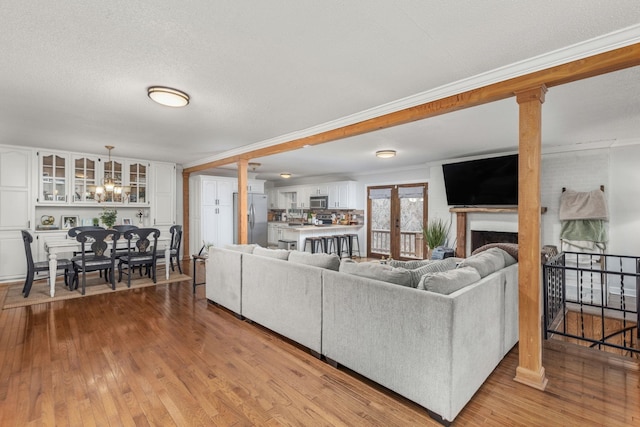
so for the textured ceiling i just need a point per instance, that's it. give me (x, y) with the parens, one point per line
(74, 74)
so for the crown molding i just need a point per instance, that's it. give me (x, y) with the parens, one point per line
(617, 39)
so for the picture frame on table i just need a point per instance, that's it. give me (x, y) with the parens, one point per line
(69, 221)
(127, 221)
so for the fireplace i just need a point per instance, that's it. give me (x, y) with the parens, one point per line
(480, 238)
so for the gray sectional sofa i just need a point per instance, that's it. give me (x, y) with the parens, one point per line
(435, 348)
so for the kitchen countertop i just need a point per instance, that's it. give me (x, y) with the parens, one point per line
(324, 227)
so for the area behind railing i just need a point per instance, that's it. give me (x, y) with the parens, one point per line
(592, 299)
(411, 243)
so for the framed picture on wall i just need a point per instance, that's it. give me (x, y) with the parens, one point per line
(69, 221)
(126, 221)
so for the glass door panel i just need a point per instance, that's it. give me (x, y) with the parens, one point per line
(113, 171)
(84, 179)
(397, 215)
(137, 188)
(412, 219)
(53, 180)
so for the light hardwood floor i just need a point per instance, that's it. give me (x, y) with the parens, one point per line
(162, 356)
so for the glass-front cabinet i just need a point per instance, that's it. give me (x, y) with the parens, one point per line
(85, 173)
(112, 174)
(53, 179)
(81, 179)
(137, 184)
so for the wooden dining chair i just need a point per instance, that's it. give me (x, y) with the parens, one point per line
(34, 267)
(174, 248)
(141, 252)
(98, 253)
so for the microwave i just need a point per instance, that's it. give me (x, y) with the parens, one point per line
(319, 202)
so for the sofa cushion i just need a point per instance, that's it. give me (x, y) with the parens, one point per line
(410, 265)
(510, 248)
(242, 248)
(486, 262)
(329, 261)
(434, 266)
(377, 271)
(447, 282)
(272, 253)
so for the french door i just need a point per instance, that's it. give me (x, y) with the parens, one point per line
(396, 216)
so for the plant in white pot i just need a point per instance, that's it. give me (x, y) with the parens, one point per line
(436, 233)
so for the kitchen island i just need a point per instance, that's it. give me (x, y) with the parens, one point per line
(300, 233)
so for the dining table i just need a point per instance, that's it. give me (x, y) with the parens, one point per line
(53, 247)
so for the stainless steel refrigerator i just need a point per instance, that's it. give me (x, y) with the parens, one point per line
(256, 218)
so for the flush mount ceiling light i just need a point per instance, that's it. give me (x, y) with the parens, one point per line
(285, 175)
(168, 96)
(253, 166)
(386, 154)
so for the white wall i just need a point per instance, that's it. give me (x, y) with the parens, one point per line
(624, 200)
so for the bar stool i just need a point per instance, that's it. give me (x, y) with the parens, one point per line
(316, 244)
(327, 242)
(351, 239)
(339, 240)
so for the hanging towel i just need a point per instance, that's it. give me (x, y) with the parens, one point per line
(583, 205)
(584, 230)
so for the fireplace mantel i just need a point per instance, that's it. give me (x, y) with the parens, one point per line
(461, 222)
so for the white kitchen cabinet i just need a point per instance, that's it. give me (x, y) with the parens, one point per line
(210, 211)
(272, 234)
(255, 186)
(342, 195)
(163, 195)
(272, 198)
(53, 178)
(303, 193)
(318, 190)
(15, 209)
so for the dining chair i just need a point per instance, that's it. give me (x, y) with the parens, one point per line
(141, 252)
(74, 231)
(33, 267)
(98, 253)
(174, 248)
(122, 229)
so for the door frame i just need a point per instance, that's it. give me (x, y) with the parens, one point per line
(394, 224)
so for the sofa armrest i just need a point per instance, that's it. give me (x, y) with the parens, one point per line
(224, 284)
(285, 297)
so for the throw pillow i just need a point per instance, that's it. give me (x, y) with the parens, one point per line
(434, 266)
(447, 282)
(328, 261)
(282, 254)
(509, 248)
(248, 249)
(377, 271)
(485, 262)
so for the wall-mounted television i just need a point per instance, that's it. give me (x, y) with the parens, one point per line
(492, 181)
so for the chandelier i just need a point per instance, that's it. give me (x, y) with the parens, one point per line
(109, 189)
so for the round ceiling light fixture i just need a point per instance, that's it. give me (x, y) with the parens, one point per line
(285, 175)
(168, 96)
(386, 154)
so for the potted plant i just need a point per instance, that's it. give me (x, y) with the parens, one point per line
(436, 233)
(109, 217)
